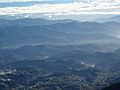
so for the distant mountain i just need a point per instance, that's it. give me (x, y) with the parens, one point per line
(89, 55)
(31, 22)
(40, 31)
(110, 19)
(46, 51)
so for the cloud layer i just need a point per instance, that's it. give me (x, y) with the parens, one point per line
(76, 8)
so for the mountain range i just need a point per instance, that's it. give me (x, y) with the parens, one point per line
(62, 54)
(41, 31)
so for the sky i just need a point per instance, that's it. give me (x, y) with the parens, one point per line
(59, 7)
(20, 0)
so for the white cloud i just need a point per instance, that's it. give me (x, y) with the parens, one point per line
(65, 9)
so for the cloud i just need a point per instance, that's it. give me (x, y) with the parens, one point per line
(65, 9)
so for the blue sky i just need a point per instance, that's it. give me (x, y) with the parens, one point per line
(53, 0)
(59, 7)
(20, 0)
